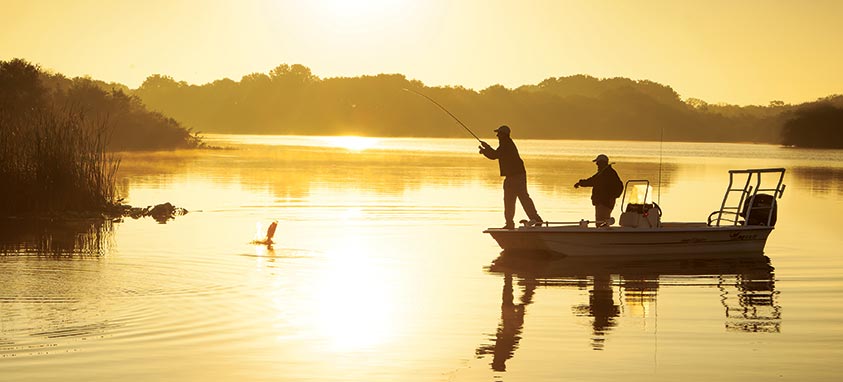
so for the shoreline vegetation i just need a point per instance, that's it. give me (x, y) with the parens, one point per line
(59, 140)
(55, 165)
(291, 100)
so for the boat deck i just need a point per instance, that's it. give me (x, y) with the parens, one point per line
(684, 225)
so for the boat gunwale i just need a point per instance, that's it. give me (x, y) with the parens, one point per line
(617, 230)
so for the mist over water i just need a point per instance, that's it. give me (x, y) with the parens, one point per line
(381, 272)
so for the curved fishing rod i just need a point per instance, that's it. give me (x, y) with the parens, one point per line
(661, 145)
(449, 113)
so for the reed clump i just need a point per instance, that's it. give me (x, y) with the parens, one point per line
(54, 162)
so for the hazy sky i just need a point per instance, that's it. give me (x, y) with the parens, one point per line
(734, 51)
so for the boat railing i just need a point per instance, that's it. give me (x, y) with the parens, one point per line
(731, 217)
(756, 202)
(582, 223)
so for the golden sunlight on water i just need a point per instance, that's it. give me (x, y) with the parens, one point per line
(351, 142)
(352, 309)
(380, 271)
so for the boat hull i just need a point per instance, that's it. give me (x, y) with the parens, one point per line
(585, 241)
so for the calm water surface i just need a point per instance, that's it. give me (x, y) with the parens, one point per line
(381, 272)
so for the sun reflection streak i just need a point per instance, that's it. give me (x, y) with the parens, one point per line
(352, 143)
(355, 308)
(352, 213)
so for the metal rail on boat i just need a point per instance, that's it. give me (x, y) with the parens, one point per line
(752, 197)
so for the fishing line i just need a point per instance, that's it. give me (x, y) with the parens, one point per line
(661, 144)
(449, 113)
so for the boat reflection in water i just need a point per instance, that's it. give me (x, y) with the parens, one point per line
(745, 283)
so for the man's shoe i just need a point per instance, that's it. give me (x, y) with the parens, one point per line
(535, 223)
(509, 226)
(605, 223)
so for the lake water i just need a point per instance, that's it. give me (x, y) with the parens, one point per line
(381, 272)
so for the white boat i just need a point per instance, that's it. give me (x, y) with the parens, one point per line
(745, 219)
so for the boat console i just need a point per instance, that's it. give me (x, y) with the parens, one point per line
(639, 213)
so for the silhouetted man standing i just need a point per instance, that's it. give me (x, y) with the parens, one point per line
(606, 187)
(515, 177)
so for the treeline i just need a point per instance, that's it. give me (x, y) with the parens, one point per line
(818, 125)
(290, 99)
(27, 93)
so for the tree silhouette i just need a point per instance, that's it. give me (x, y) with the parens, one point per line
(817, 125)
(21, 92)
(27, 92)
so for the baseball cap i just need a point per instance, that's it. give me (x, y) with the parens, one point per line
(503, 129)
(601, 158)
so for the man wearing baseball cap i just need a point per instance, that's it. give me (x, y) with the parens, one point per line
(606, 187)
(515, 177)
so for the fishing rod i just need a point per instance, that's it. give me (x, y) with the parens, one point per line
(449, 113)
(661, 145)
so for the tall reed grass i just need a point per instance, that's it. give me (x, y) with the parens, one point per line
(54, 162)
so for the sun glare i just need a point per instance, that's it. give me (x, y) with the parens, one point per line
(357, 9)
(352, 143)
(355, 309)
